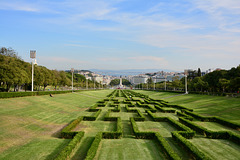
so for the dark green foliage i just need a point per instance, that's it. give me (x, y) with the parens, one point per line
(23, 94)
(66, 152)
(94, 147)
(189, 146)
(115, 134)
(166, 147)
(92, 118)
(66, 132)
(184, 116)
(165, 110)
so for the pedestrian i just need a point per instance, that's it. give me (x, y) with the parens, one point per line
(51, 95)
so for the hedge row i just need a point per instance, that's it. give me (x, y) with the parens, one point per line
(115, 134)
(180, 114)
(166, 147)
(66, 132)
(92, 118)
(211, 134)
(161, 109)
(94, 147)
(66, 152)
(178, 107)
(156, 136)
(112, 93)
(215, 119)
(189, 146)
(23, 94)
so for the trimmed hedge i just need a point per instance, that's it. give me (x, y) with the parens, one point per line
(165, 110)
(166, 147)
(23, 94)
(115, 134)
(94, 147)
(189, 146)
(66, 152)
(66, 131)
(92, 118)
(156, 136)
(215, 119)
(184, 116)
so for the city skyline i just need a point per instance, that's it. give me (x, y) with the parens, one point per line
(118, 35)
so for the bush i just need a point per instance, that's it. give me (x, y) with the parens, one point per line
(166, 147)
(66, 152)
(94, 147)
(92, 118)
(66, 132)
(189, 146)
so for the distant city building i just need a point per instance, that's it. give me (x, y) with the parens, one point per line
(139, 79)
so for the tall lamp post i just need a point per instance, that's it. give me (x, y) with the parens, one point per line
(154, 84)
(186, 73)
(86, 83)
(72, 70)
(165, 83)
(33, 56)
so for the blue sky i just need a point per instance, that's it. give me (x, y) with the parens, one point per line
(124, 34)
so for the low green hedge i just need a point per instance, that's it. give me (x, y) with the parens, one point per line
(66, 152)
(166, 147)
(66, 131)
(94, 147)
(165, 110)
(189, 146)
(215, 119)
(184, 116)
(115, 134)
(23, 94)
(92, 118)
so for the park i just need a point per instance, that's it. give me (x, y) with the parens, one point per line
(120, 124)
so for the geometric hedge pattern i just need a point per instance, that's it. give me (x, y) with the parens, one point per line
(178, 131)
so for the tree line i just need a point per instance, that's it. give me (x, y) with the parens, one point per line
(225, 81)
(16, 73)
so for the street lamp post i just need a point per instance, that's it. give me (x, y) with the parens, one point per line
(165, 83)
(33, 56)
(186, 73)
(72, 70)
(87, 83)
(154, 84)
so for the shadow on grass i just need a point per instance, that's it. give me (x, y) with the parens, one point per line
(84, 146)
(55, 153)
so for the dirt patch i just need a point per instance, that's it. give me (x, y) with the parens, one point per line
(21, 130)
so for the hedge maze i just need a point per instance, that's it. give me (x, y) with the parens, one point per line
(177, 131)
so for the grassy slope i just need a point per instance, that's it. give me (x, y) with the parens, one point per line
(29, 125)
(128, 148)
(225, 107)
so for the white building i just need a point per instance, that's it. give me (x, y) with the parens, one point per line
(139, 79)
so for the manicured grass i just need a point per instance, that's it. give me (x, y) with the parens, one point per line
(41, 149)
(128, 148)
(213, 126)
(123, 115)
(217, 148)
(91, 128)
(25, 119)
(170, 115)
(225, 107)
(164, 128)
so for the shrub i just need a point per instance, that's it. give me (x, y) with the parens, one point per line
(66, 132)
(189, 146)
(66, 152)
(94, 147)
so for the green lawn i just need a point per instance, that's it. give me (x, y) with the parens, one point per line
(217, 148)
(30, 126)
(26, 121)
(129, 149)
(225, 107)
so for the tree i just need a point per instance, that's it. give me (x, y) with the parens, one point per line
(176, 82)
(224, 83)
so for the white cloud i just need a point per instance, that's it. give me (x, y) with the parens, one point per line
(18, 6)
